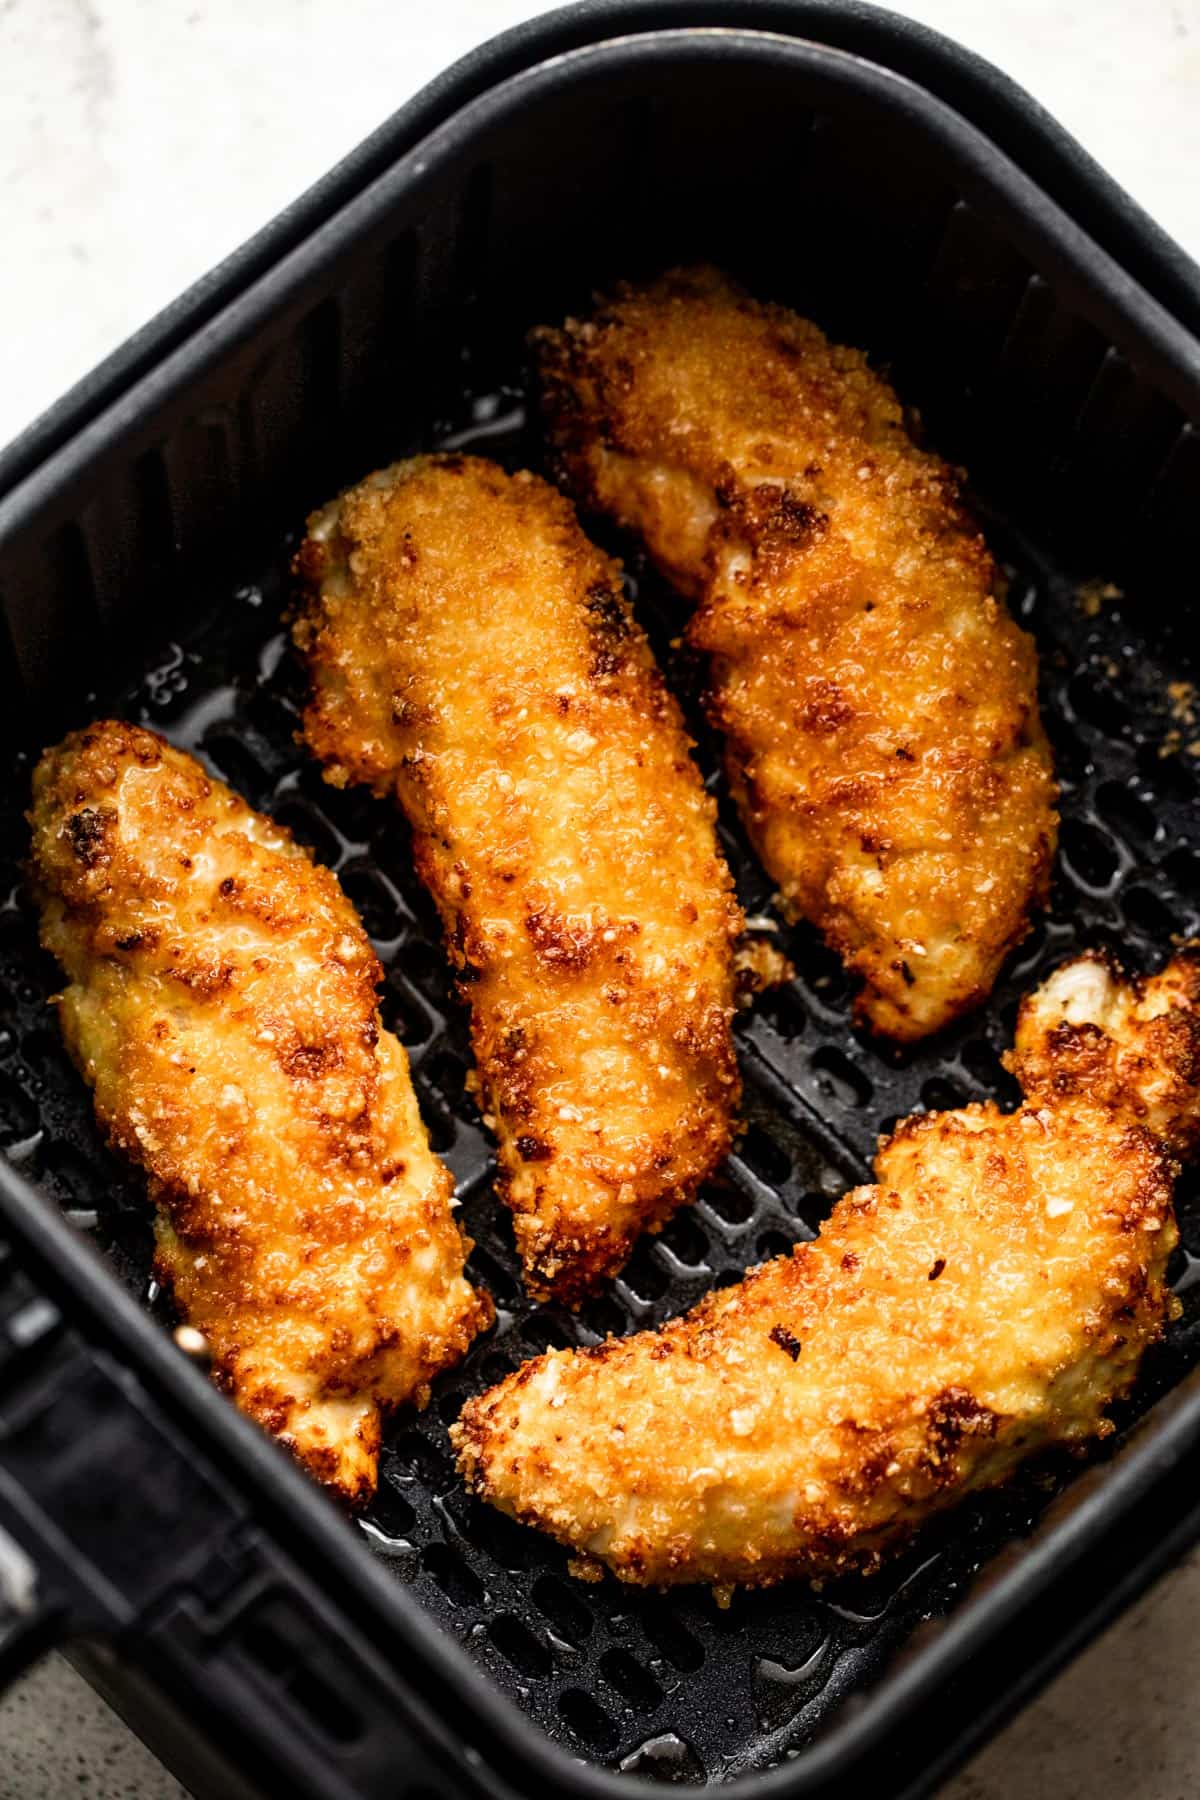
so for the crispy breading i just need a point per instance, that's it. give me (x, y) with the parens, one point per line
(988, 1297)
(221, 1004)
(877, 702)
(474, 656)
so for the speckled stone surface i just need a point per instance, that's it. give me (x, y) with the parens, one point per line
(142, 140)
(57, 1739)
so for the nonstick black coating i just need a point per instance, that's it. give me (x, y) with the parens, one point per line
(668, 1683)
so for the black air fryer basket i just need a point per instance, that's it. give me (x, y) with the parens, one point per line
(867, 173)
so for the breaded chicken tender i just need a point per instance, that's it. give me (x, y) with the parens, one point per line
(990, 1296)
(473, 655)
(221, 1005)
(878, 704)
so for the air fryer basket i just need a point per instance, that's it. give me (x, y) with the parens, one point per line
(143, 570)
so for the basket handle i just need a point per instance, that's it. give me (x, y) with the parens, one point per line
(117, 1526)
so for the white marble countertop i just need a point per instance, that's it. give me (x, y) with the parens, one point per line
(140, 141)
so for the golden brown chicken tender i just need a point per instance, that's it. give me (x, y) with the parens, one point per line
(473, 655)
(877, 702)
(221, 1004)
(990, 1296)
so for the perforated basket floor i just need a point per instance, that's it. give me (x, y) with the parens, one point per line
(669, 1684)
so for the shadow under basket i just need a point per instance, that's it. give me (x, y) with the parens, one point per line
(262, 1641)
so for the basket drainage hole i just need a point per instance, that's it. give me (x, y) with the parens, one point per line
(1150, 914)
(1089, 853)
(603, 1318)
(439, 1122)
(982, 1060)
(626, 1675)
(557, 1603)
(18, 1115)
(838, 1078)
(414, 1453)
(518, 1646)
(941, 1095)
(1096, 704)
(1125, 812)
(820, 969)
(71, 1175)
(589, 1722)
(783, 1008)
(403, 1013)
(765, 1158)
(461, 1586)
(447, 1073)
(238, 766)
(306, 823)
(1182, 869)
(38, 1048)
(644, 1274)
(375, 906)
(391, 1512)
(425, 966)
(500, 1284)
(685, 1240)
(674, 1641)
(495, 1368)
(273, 717)
(729, 1203)
(544, 1332)
(1172, 776)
